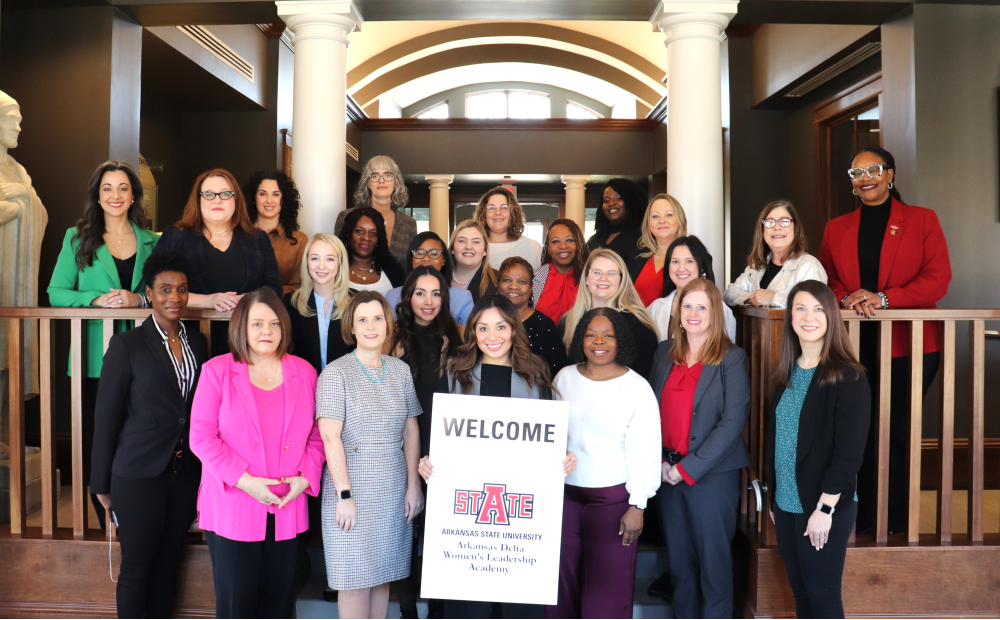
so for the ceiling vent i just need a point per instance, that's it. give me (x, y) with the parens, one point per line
(855, 58)
(204, 38)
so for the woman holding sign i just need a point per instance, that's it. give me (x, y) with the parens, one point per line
(367, 408)
(614, 426)
(496, 360)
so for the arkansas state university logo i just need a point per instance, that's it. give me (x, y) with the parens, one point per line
(494, 505)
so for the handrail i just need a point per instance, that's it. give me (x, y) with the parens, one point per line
(130, 314)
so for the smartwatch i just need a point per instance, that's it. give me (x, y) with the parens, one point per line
(346, 494)
(825, 508)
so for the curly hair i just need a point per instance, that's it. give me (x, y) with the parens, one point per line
(625, 343)
(516, 227)
(160, 262)
(634, 198)
(582, 249)
(517, 260)
(90, 228)
(381, 257)
(533, 369)
(446, 269)
(404, 340)
(288, 218)
(363, 195)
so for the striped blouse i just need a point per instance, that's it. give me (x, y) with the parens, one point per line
(187, 367)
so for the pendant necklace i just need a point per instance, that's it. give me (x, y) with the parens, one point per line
(365, 277)
(365, 370)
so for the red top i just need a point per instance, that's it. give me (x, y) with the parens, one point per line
(559, 294)
(649, 284)
(914, 270)
(676, 408)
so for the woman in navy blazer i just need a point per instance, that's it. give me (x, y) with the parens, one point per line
(700, 380)
(229, 257)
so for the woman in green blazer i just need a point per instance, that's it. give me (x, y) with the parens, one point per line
(100, 265)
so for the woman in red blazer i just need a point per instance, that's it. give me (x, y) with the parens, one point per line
(887, 254)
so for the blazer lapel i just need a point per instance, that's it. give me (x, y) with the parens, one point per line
(240, 376)
(893, 235)
(104, 257)
(849, 252)
(707, 374)
(143, 248)
(291, 386)
(159, 353)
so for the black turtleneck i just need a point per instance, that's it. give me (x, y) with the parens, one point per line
(623, 244)
(874, 219)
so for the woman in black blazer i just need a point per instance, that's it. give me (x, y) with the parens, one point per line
(817, 429)
(228, 255)
(314, 309)
(142, 468)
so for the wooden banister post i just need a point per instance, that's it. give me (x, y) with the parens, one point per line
(76, 392)
(977, 363)
(16, 393)
(916, 426)
(947, 426)
(46, 359)
(884, 426)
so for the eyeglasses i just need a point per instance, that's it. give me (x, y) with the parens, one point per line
(784, 221)
(212, 195)
(873, 171)
(385, 176)
(434, 254)
(495, 207)
(601, 275)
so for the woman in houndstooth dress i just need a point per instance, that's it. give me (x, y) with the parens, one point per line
(367, 407)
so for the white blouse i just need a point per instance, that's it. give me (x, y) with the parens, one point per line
(382, 285)
(793, 271)
(660, 311)
(524, 246)
(614, 431)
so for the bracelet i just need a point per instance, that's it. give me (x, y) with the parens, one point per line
(637, 508)
(885, 300)
(844, 298)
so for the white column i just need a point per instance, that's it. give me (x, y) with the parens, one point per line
(576, 185)
(319, 109)
(694, 32)
(439, 203)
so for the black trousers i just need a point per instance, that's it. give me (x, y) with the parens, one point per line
(815, 576)
(700, 522)
(899, 440)
(253, 579)
(89, 394)
(154, 515)
(480, 609)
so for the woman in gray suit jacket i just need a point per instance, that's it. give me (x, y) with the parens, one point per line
(701, 382)
(496, 360)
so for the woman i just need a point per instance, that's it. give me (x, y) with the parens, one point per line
(700, 371)
(143, 468)
(228, 256)
(316, 307)
(428, 250)
(470, 247)
(614, 426)
(500, 212)
(544, 338)
(370, 265)
(817, 427)
(557, 281)
(777, 262)
(887, 254)
(273, 206)
(425, 338)
(253, 427)
(664, 222)
(381, 187)
(688, 259)
(607, 285)
(367, 407)
(100, 265)
(495, 360)
(619, 220)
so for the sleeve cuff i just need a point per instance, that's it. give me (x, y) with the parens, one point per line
(637, 500)
(688, 479)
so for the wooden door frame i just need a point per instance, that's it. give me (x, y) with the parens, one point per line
(851, 101)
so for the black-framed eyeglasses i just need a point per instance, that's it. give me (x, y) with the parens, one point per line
(873, 171)
(784, 221)
(212, 195)
(384, 176)
(421, 253)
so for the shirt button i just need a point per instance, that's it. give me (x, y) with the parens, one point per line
(286, 447)
(181, 420)
(355, 448)
(693, 438)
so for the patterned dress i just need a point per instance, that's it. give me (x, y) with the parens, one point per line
(377, 550)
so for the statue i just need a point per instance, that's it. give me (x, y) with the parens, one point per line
(22, 225)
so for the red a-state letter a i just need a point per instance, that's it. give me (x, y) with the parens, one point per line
(494, 509)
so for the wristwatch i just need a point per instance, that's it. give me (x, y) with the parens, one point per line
(825, 508)
(346, 495)
(637, 508)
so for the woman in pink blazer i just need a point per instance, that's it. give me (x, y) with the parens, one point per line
(253, 427)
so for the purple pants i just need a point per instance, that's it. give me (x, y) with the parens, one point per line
(596, 572)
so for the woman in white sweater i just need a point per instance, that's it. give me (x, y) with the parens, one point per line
(777, 262)
(614, 429)
(499, 211)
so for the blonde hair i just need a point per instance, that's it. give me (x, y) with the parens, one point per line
(625, 299)
(516, 227)
(648, 241)
(341, 281)
(718, 341)
(490, 275)
(363, 195)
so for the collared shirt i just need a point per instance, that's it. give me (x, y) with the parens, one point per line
(187, 367)
(324, 326)
(676, 409)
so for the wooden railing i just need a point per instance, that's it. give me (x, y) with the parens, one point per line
(759, 334)
(46, 317)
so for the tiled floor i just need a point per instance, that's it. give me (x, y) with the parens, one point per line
(960, 507)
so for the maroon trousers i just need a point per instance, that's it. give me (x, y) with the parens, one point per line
(596, 572)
